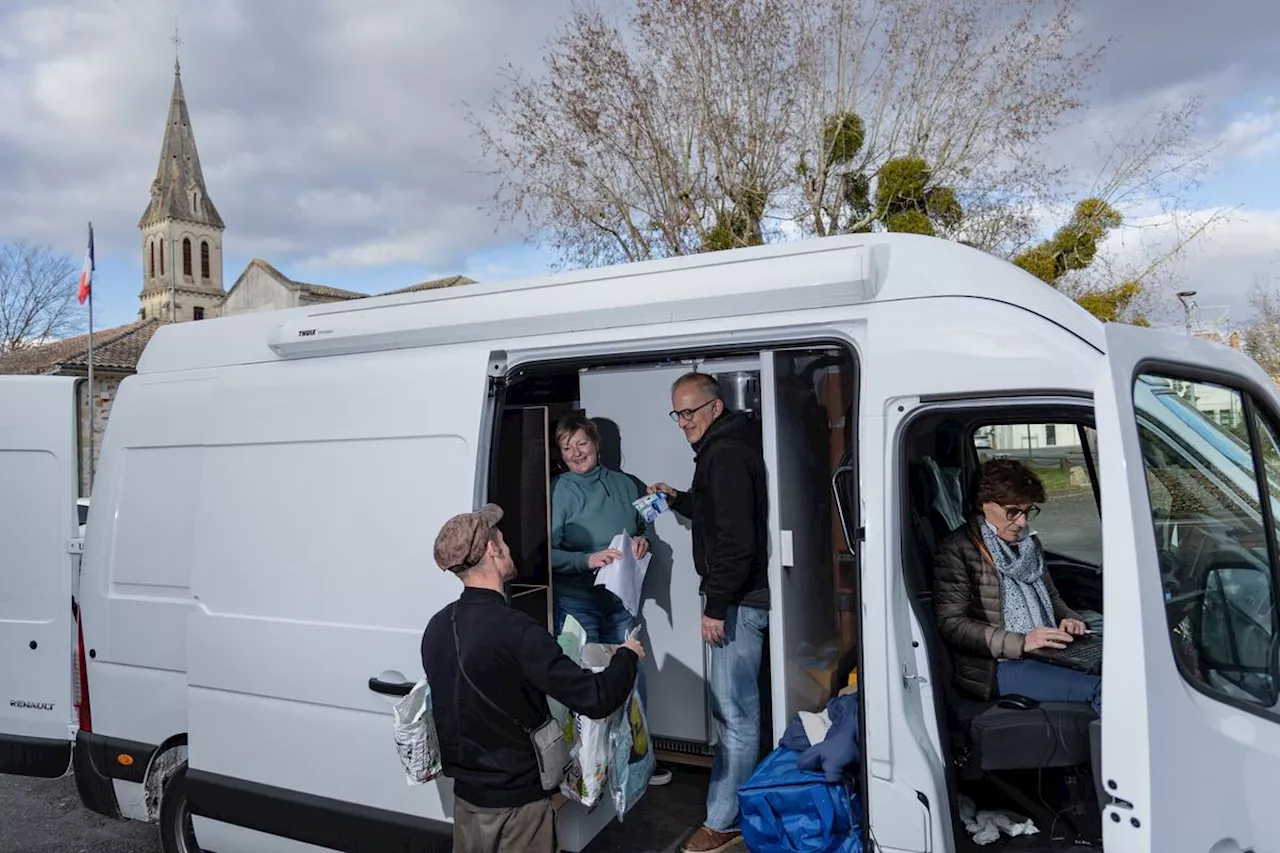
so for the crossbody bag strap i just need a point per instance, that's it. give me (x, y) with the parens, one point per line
(457, 647)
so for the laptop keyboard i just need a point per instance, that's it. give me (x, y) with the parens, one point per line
(1084, 654)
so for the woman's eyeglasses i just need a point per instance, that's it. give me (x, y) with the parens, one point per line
(1013, 513)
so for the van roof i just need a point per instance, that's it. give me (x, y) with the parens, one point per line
(826, 272)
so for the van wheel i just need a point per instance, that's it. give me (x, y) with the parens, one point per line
(177, 835)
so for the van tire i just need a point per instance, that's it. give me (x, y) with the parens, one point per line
(177, 835)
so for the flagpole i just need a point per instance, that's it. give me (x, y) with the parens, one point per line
(92, 393)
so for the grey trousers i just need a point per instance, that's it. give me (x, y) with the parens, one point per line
(529, 827)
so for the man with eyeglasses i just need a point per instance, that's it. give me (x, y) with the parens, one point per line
(995, 602)
(727, 504)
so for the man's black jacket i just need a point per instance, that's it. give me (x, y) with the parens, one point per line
(728, 504)
(517, 663)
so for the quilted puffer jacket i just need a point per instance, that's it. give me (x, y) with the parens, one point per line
(970, 613)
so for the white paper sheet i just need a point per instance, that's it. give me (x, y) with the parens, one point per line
(625, 577)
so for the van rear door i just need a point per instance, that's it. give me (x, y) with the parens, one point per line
(1189, 446)
(39, 545)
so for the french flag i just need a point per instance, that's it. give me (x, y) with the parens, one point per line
(86, 274)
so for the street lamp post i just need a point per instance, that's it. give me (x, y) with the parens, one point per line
(1184, 296)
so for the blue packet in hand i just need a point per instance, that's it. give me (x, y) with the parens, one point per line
(651, 506)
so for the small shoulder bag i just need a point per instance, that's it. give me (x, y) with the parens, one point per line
(548, 740)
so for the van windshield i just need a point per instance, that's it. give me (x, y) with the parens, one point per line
(1212, 415)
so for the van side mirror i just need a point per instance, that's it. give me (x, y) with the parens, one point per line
(1236, 640)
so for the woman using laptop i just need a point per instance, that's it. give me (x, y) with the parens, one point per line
(995, 603)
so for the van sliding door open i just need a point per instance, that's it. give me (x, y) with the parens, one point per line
(807, 405)
(1189, 451)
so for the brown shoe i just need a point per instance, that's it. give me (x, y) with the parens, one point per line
(707, 840)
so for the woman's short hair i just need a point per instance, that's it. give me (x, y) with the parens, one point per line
(570, 424)
(1008, 482)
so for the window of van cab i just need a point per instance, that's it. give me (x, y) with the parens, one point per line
(1068, 524)
(1212, 463)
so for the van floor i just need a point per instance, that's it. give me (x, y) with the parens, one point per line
(663, 818)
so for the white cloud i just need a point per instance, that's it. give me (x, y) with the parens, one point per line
(326, 128)
(1221, 265)
(1253, 134)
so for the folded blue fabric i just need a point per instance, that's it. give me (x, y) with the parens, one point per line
(793, 737)
(838, 753)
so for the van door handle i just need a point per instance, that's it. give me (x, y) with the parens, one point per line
(390, 688)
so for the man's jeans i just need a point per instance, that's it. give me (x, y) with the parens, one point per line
(735, 707)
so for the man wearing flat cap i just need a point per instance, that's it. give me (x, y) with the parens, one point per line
(491, 668)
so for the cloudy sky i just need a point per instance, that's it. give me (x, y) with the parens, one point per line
(332, 139)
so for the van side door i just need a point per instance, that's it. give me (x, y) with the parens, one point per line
(1189, 451)
(39, 544)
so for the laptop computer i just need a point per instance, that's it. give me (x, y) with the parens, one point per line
(1083, 654)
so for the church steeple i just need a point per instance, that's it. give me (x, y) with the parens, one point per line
(178, 191)
(181, 229)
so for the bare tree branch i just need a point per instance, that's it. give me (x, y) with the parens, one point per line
(1262, 335)
(37, 296)
(667, 127)
(970, 87)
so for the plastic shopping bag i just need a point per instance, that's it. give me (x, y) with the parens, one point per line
(415, 733)
(572, 638)
(631, 755)
(588, 770)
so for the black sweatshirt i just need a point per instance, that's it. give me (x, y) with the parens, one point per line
(517, 663)
(728, 504)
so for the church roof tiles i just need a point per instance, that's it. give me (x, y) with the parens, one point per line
(116, 349)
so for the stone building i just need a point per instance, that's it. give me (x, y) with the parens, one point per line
(262, 287)
(181, 241)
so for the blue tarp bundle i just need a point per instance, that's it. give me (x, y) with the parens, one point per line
(784, 809)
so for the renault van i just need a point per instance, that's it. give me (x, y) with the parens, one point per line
(41, 530)
(257, 570)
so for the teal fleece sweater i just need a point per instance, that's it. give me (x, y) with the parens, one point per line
(587, 511)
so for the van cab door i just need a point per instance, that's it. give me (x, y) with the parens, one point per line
(1189, 451)
(39, 555)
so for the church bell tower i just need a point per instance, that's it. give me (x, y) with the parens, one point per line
(181, 229)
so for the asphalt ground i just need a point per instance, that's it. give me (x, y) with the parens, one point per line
(46, 816)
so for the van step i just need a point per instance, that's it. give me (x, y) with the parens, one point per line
(676, 751)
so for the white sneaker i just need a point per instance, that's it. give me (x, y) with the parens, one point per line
(661, 776)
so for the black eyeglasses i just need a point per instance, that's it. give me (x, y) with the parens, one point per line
(687, 414)
(1013, 513)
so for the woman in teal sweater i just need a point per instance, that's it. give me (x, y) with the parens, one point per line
(590, 505)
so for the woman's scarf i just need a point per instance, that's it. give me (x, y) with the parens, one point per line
(1024, 595)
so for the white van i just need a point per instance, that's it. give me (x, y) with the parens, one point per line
(257, 568)
(40, 540)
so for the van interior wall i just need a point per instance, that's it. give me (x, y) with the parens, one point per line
(630, 405)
